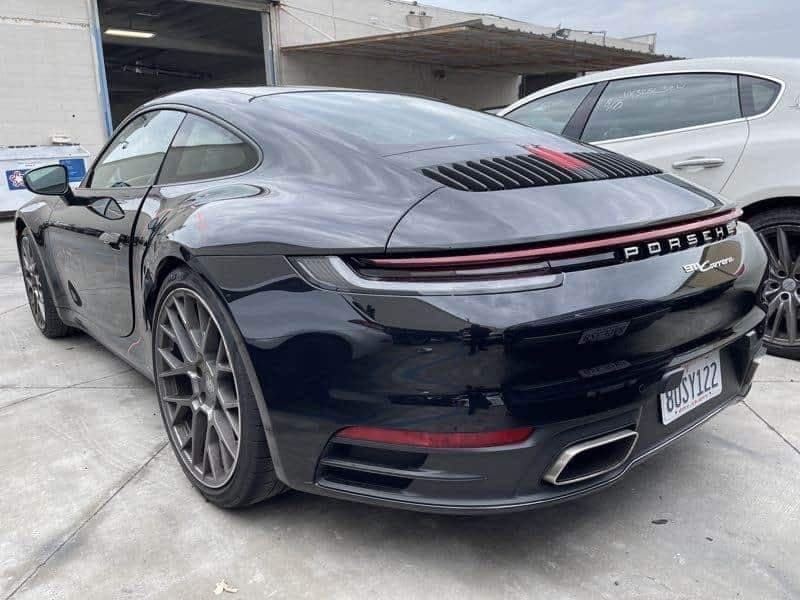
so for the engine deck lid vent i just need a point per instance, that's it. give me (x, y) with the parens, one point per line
(538, 167)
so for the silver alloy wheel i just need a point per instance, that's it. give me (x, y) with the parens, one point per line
(33, 282)
(197, 387)
(781, 291)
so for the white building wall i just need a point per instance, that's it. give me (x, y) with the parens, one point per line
(302, 22)
(312, 21)
(475, 89)
(48, 74)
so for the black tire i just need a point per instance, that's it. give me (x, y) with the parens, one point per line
(252, 477)
(37, 289)
(767, 224)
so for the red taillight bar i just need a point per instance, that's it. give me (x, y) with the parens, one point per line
(428, 439)
(510, 256)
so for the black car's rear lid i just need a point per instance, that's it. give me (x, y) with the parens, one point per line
(504, 194)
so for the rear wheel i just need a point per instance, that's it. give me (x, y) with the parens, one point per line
(779, 231)
(206, 399)
(40, 301)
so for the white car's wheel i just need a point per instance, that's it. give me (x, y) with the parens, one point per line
(779, 231)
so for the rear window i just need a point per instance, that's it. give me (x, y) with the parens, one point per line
(394, 120)
(757, 94)
(203, 150)
(553, 112)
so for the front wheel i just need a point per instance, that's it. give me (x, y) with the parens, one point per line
(779, 231)
(205, 396)
(43, 309)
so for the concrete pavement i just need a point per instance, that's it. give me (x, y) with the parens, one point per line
(95, 505)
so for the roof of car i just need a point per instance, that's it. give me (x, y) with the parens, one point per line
(758, 64)
(211, 98)
(263, 90)
(781, 68)
(248, 93)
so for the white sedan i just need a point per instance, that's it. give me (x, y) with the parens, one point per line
(731, 125)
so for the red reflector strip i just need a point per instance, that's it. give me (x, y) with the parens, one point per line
(512, 256)
(427, 439)
(565, 161)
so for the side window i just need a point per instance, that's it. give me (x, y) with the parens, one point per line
(757, 94)
(643, 105)
(551, 113)
(205, 150)
(135, 155)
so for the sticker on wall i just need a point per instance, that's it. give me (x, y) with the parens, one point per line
(15, 180)
(76, 168)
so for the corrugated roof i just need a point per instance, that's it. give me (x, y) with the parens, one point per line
(478, 44)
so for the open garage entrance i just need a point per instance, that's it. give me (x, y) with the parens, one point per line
(153, 47)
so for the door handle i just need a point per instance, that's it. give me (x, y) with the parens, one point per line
(698, 161)
(111, 239)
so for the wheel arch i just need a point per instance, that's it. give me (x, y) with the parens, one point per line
(153, 277)
(179, 257)
(766, 204)
(19, 227)
(35, 228)
(150, 288)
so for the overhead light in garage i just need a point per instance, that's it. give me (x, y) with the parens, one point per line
(131, 33)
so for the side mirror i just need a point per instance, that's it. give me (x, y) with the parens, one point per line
(107, 208)
(51, 180)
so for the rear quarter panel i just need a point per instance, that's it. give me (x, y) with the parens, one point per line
(768, 167)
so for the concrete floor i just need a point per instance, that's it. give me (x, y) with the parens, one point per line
(95, 506)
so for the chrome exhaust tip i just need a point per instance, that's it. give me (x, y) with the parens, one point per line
(592, 458)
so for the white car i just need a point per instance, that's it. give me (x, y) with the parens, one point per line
(731, 125)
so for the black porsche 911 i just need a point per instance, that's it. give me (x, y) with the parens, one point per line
(388, 299)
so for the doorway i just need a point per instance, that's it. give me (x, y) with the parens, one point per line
(154, 47)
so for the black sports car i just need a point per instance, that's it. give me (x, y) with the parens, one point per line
(388, 299)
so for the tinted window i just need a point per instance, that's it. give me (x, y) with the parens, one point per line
(204, 150)
(135, 155)
(757, 94)
(388, 119)
(552, 112)
(644, 105)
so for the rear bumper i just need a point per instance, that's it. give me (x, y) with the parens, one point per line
(546, 496)
(512, 478)
(575, 362)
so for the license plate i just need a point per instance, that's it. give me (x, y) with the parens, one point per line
(702, 381)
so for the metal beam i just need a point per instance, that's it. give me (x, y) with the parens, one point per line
(102, 83)
(167, 42)
(477, 45)
(269, 50)
(260, 5)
